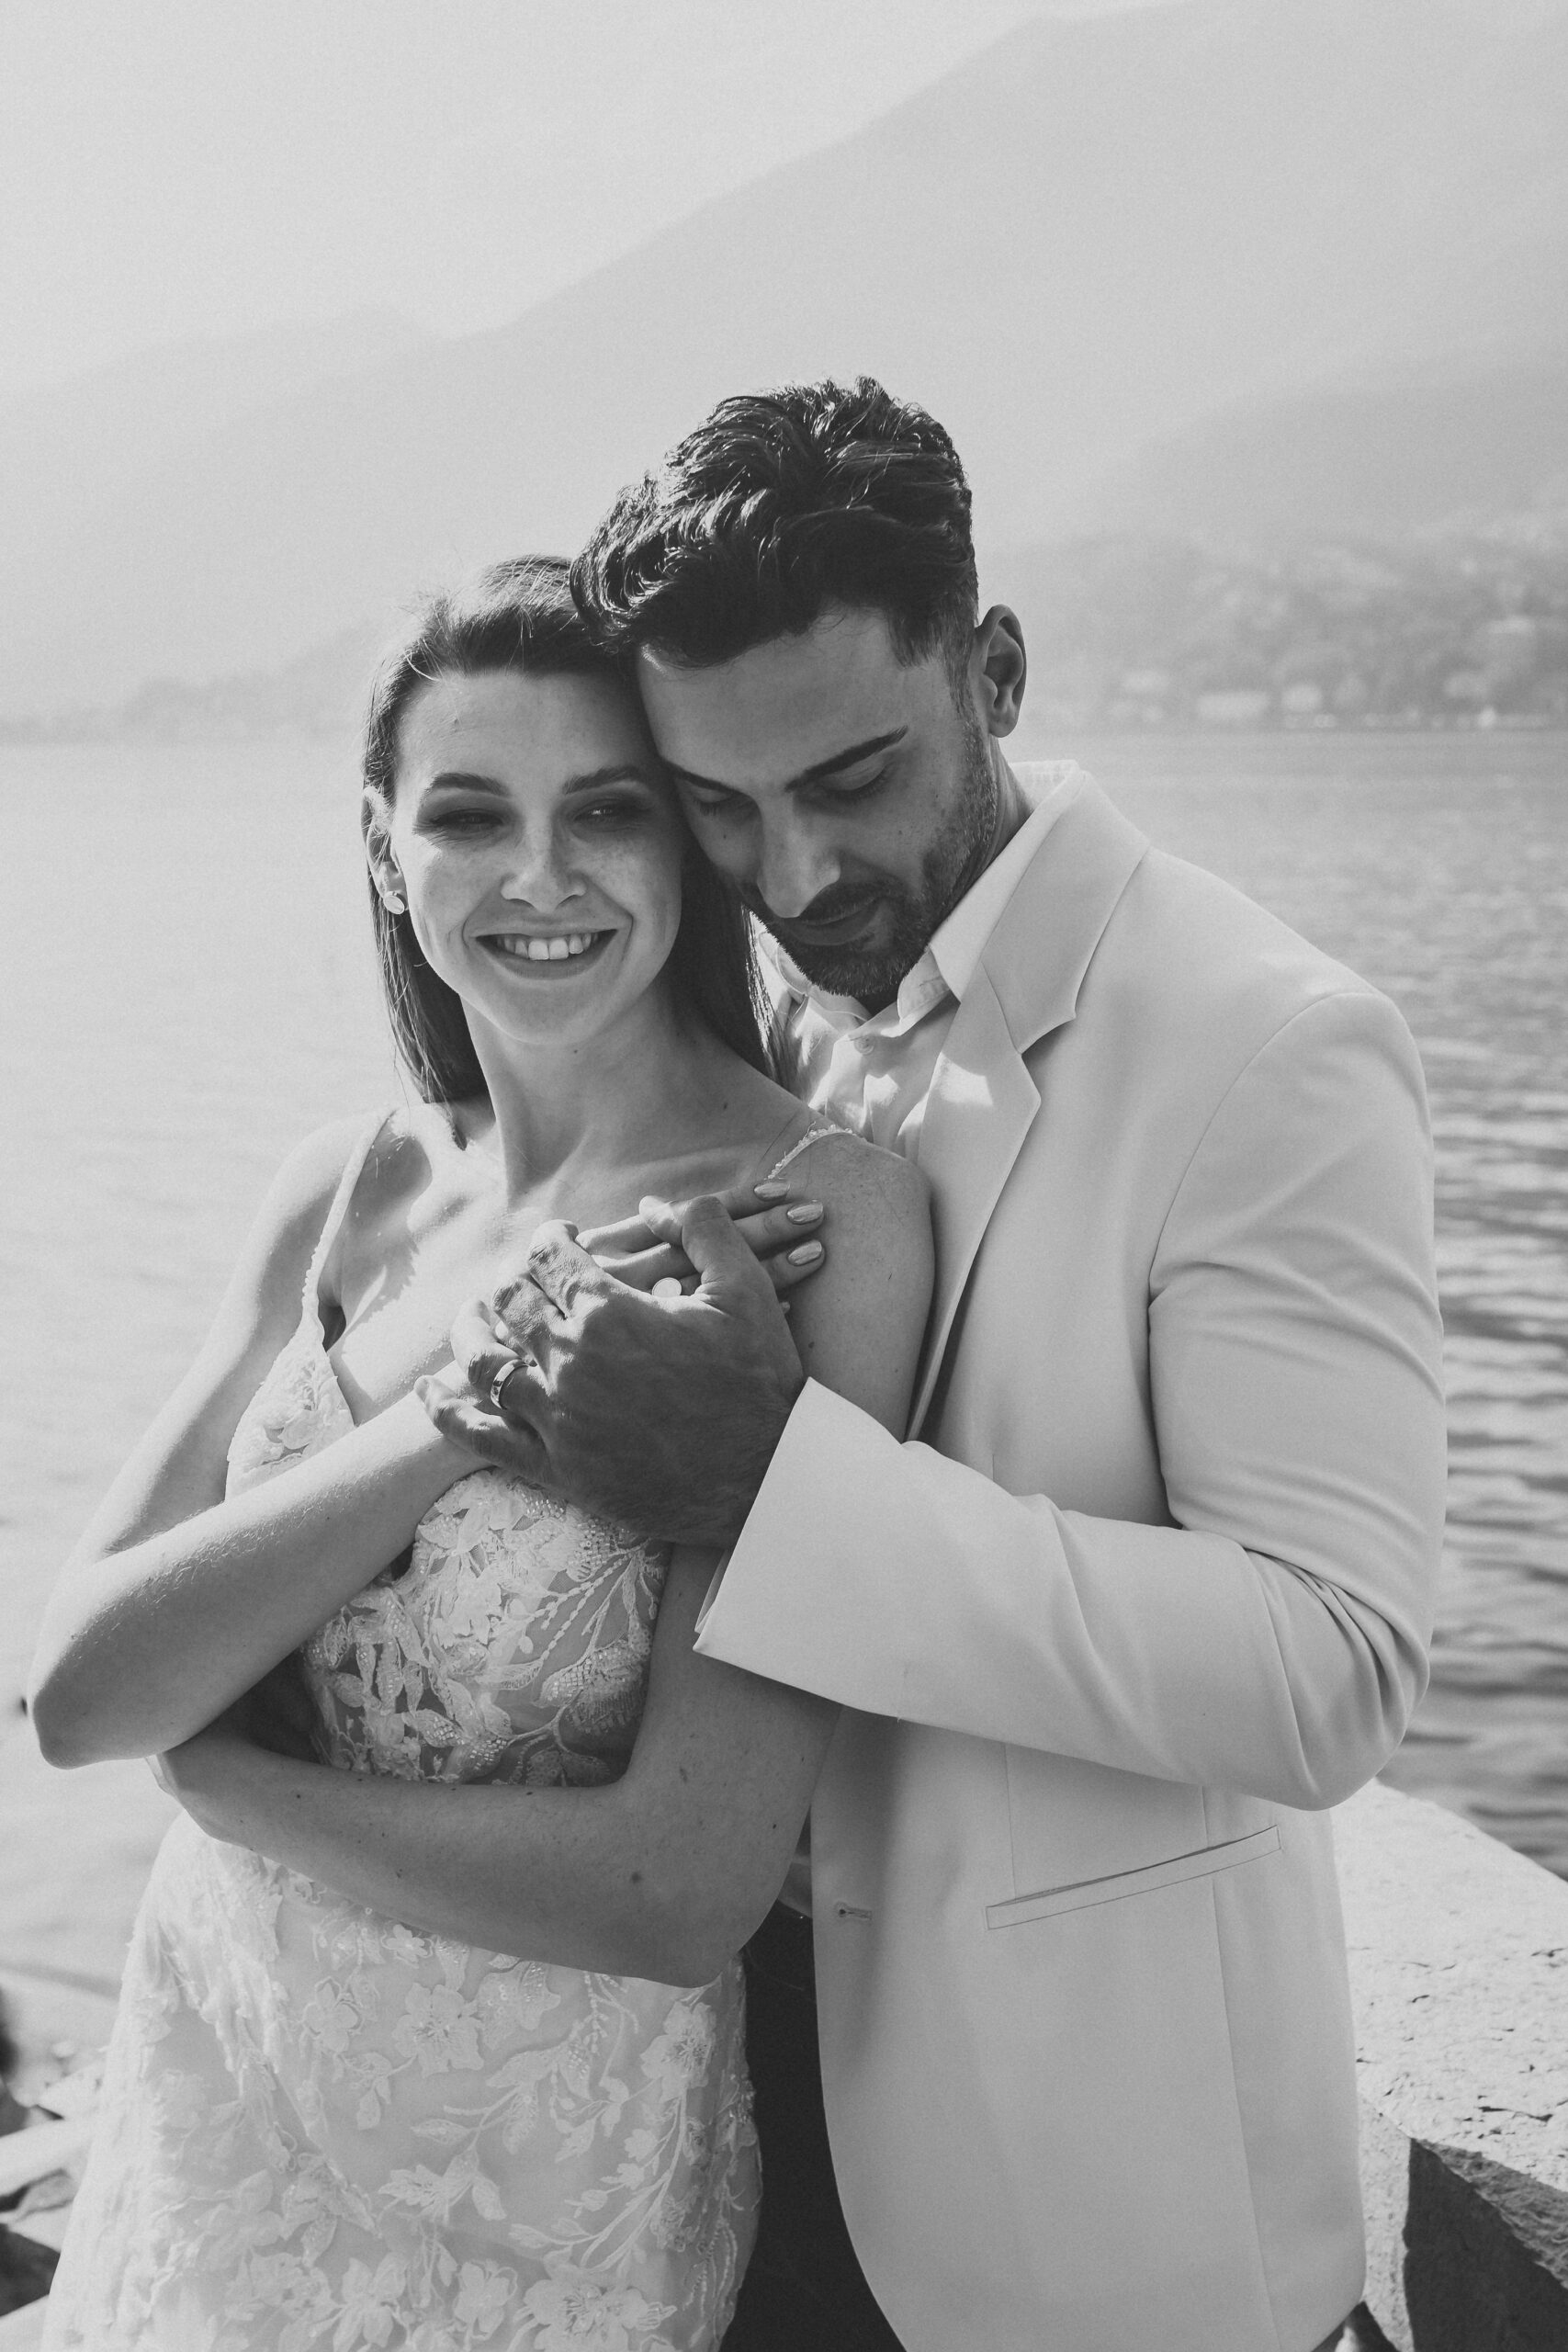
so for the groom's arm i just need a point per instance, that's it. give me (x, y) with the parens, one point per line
(1273, 1638)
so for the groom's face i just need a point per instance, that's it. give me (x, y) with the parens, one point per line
(850, 797)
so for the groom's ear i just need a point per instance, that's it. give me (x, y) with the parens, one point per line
(998, 668)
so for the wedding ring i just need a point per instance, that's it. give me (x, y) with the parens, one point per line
(497, 1386)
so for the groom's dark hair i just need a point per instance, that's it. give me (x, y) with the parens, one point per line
(780, 504)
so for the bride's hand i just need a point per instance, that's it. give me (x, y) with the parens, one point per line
(640, 1254)
(644, 1249)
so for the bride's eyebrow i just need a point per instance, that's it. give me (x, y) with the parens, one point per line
(592, 780)
(621, 771)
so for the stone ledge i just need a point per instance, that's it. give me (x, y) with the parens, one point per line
(1459, 1974)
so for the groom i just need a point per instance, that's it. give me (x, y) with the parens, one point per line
(1149, 1586)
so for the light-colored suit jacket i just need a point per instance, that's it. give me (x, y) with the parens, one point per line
(1152, 1589)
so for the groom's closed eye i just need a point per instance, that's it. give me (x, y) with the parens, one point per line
(832, 778)
(715, 803)
(862, 788)
(827, 794)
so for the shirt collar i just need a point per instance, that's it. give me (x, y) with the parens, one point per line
(958, 943)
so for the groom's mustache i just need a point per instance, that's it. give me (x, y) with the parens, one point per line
(832, 908)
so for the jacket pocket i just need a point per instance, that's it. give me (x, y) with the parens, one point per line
(1202, 1863)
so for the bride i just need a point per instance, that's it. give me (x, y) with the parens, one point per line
(466, 2069)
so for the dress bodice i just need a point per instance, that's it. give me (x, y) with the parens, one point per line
(511, 1645)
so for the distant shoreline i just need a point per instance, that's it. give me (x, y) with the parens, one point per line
(43, 735)
(1129, 635)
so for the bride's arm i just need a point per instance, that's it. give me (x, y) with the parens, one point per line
(175, 1600)
(665, 1873)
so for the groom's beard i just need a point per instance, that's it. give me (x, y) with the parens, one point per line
(906, 916)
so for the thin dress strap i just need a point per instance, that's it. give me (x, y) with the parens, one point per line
(310, 1297)
(815, 1134)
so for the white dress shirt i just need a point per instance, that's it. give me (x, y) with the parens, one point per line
(871, 1072)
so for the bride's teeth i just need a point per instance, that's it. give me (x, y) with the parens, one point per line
(549, 950)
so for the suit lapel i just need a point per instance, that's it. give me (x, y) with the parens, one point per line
(981, 1105)
(983, 1101)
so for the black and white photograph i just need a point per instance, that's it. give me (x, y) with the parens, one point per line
(783, 1269)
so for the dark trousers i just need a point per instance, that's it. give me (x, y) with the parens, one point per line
(804, 2291)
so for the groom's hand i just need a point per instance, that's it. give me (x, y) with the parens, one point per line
(661, 1414)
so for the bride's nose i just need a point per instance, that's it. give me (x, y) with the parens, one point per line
(540, 872)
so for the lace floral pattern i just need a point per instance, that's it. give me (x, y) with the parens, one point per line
(322, 2129)
(513, 1647)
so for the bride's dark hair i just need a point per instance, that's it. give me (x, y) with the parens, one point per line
(520, 617)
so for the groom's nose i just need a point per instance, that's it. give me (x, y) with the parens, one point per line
(795, 867)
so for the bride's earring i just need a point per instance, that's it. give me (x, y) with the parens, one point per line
(394, 902)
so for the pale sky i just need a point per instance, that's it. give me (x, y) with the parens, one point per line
(171, 168)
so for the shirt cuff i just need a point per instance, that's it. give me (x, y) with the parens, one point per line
(763, 1585)
(784, 1467)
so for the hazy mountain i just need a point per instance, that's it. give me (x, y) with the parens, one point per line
(68, 449)
(1458, 448)
(1095, 234)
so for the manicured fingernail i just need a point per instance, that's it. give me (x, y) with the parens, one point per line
(772, 1192)
(500, 1331)
(805, 1212)
(805, 1254)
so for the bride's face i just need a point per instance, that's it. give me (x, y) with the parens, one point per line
(539, 848)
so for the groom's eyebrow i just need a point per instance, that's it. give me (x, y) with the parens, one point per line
(816, 774)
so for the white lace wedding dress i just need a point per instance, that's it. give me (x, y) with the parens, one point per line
(321, 2129)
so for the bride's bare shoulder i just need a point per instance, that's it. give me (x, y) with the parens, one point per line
(858, 1323)
(370, 1168)
(860, 1181)
(264, 1290)
(425, 1162)
(301, 1193)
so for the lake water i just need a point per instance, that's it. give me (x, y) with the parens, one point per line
(188, 988)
